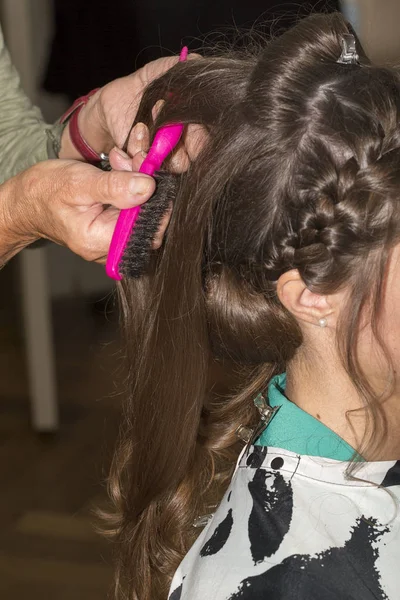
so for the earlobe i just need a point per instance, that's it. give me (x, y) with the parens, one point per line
(303, 304)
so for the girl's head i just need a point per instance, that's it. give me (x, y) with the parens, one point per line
(289, 215)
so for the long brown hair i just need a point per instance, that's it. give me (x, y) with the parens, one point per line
(301, 170)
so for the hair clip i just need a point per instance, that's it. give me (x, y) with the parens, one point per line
(349, 54)
(244, 433)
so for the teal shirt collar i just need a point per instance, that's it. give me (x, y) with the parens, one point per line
(295, 430)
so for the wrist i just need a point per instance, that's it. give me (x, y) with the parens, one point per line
(86, 121)
(92, 125)
(16, 223)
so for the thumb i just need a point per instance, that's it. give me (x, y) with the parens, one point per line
(120, 188)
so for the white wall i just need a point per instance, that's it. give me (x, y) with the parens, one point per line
(377, 23)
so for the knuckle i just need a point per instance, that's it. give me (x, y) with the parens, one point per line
(112, 185)
(70, 170)
(89, 244)
(70, 181)
(84, 248)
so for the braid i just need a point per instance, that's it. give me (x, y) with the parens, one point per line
(349, 212)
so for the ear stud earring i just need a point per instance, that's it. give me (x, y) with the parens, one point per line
(323, 322)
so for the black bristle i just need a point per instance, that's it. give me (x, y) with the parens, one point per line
(137, 253)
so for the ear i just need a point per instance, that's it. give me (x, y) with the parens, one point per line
(305, 305)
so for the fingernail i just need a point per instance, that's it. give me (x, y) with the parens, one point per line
(140, 185)
(139, 131)
(122, 153)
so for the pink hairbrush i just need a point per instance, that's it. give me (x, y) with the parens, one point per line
(132, 238)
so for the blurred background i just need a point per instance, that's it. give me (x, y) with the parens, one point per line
(60, 367)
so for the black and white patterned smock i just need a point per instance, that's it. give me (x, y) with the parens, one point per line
(294, 527)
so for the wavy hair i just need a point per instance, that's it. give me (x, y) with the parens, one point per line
(301, 170)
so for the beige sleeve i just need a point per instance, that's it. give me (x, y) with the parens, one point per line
(25, 138)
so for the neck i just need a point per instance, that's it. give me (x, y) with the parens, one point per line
(329, 396)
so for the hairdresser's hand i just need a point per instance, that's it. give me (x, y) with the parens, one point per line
(106, 119)
(65, 201)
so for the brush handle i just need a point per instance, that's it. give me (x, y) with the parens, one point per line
(163, 144)
(165, 141)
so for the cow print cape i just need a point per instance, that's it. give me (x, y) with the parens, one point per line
(294, 527)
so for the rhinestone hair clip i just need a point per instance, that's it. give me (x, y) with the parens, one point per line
(349, 54)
